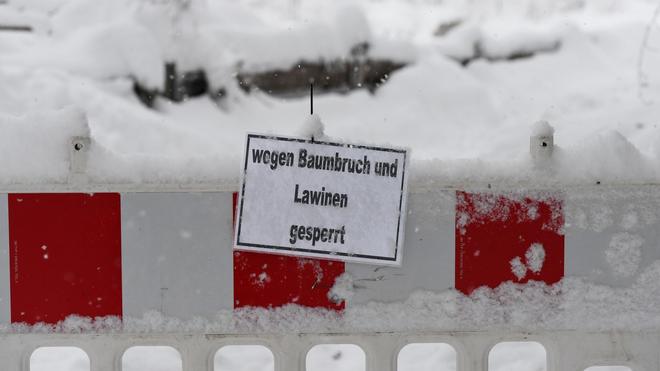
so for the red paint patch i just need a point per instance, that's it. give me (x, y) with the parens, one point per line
(266, 280)
(495, 235)
(65, 252)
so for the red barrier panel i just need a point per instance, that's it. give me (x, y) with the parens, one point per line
(65, 256)
(501, 239)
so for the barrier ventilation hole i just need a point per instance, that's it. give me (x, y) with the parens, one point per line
(336, 357)
(60, 358)
(427, 357)
(243, 358)
(518, 356)
(151, 358)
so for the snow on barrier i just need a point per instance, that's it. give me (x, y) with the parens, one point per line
(122, 251)
(121, 254)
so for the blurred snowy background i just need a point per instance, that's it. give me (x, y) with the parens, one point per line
(169, 88)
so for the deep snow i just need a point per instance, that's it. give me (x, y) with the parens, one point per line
(598, 91)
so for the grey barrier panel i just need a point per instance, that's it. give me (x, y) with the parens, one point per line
(5, 297)
(611, 235)
(428, 255)
(177, 253)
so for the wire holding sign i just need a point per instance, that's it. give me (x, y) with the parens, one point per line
(322, 199)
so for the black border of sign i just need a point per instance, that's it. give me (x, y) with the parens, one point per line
(320, 252)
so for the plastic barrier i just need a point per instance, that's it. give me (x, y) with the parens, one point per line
(122, 250)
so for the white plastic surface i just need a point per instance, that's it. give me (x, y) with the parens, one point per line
(177, 253)
(566, 350)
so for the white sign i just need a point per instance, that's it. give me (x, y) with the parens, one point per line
(321, 199)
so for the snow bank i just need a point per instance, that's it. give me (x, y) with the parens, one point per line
(465, 124)
(542, 129)
(109, 50)
(38, 148)
(572, 304)
(109, 39)
(608, 157)
(14, 16)
(283, 48)
(498, 40)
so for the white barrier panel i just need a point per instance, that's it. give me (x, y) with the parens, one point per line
(5, 298)
(176, 253)
(612, 234)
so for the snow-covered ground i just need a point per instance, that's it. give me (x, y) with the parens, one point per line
(600, 88)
